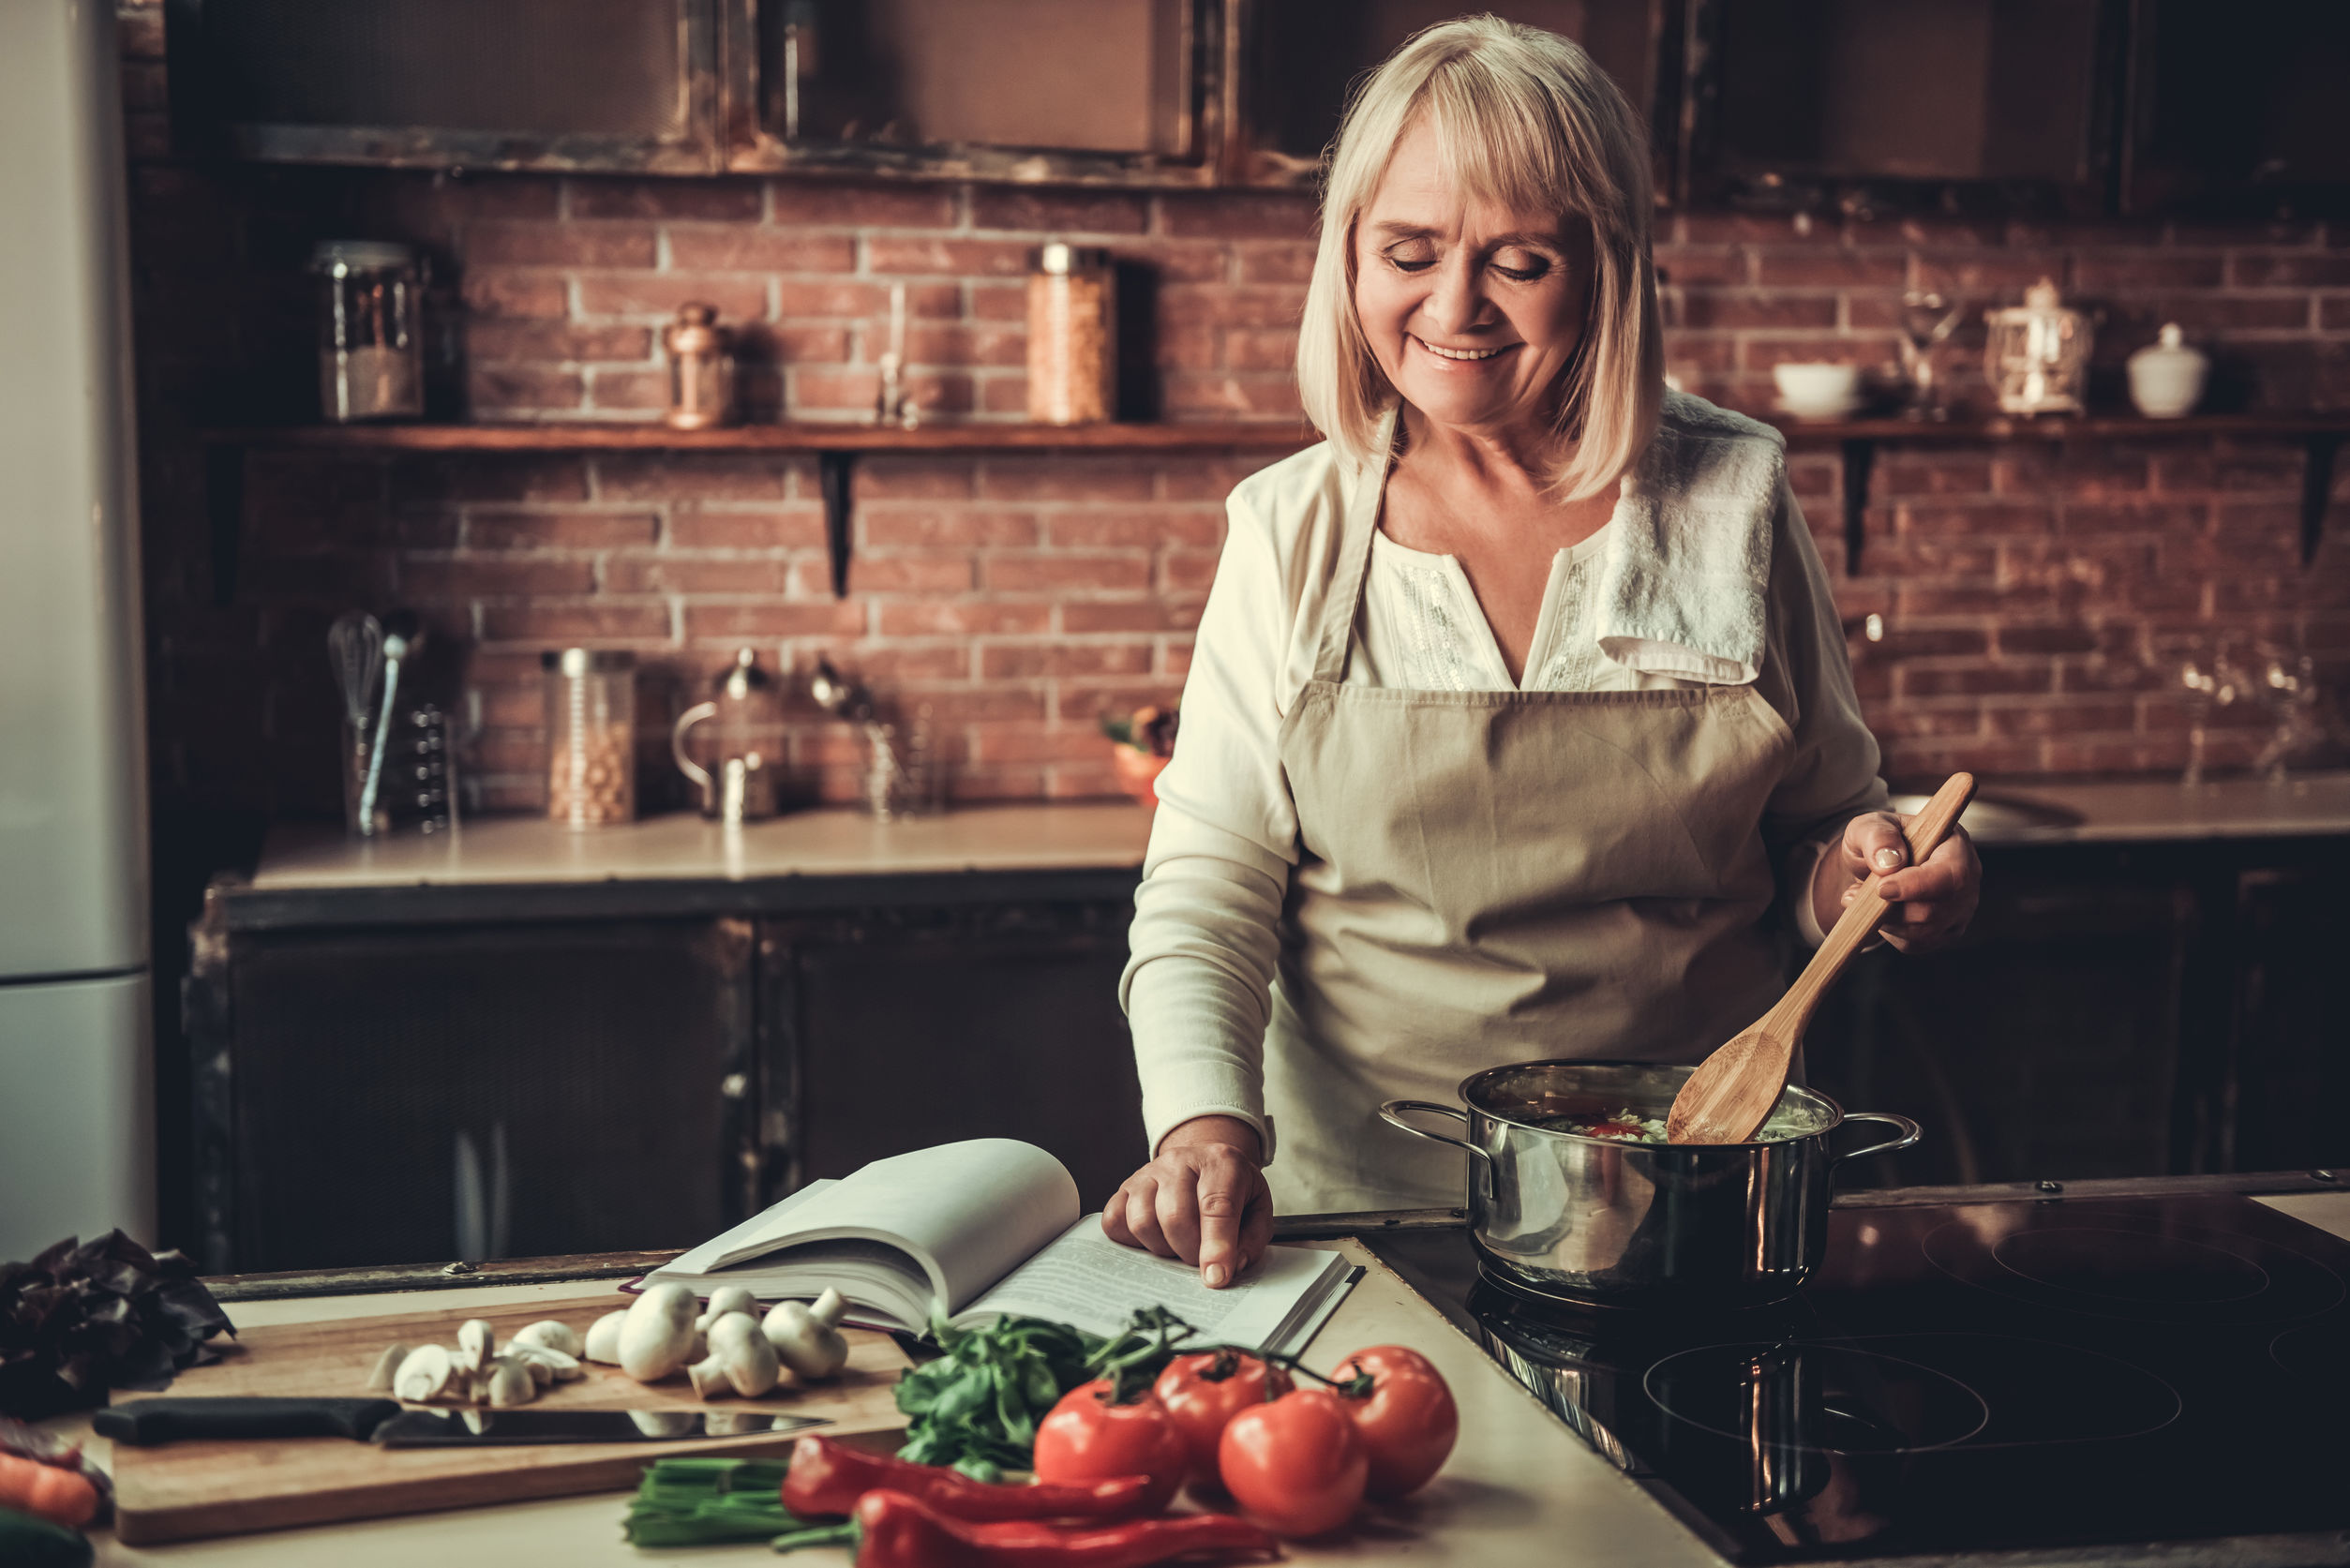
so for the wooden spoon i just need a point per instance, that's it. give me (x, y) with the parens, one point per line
(1731, 1094)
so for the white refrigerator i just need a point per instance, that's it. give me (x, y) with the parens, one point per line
(77, 1133)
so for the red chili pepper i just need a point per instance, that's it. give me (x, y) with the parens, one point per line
(828, 1477)
(895, 1530)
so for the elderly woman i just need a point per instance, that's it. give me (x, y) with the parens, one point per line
(1519, 723)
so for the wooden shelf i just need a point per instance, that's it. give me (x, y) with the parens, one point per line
(2321, 436)
(2055, 427)
(836, 447)
(804, 436)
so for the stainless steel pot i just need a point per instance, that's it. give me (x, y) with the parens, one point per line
(1600, 1222)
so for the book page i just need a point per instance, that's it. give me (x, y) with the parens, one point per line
(1086, 1279)
(965, 1212)
(713, 1253)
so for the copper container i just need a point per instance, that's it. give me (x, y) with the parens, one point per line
(702, 369)
(1072, 350)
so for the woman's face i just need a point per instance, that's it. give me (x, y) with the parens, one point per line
(1473, 310)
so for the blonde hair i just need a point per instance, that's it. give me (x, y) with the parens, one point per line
(1523, 119)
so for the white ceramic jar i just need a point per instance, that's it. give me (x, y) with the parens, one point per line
(2167, 377)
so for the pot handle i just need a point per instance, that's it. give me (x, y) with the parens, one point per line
(1391, 1112)
(1910, 1133)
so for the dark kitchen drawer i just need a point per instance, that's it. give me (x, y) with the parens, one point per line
(413, 1095)
(897, 1029)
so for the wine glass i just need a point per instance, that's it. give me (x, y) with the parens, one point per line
(2286, 684)
(2210, 679)
(1928, 317)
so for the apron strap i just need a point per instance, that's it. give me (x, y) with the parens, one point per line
(1352, 573)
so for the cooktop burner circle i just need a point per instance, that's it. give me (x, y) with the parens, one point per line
(2129, 1265)
(1815, 1398)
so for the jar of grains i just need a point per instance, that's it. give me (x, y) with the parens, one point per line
(591, 736)
(1072, 350)
(372, 337)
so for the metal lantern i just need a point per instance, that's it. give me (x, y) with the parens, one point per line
(2037, 358)
(702, 369)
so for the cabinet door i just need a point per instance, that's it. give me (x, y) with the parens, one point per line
(899, 1029)
(621, 84)
(399, 1096)
(2288, 1074)
(2044, 1045)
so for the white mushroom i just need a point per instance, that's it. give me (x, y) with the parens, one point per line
(552, 1333)
(658, 1333)
(476, 1343)
(603, 1341)
(739, 1358)
(808, 1338)
(511, 1383)
(556, 1366)
(725, 1299)
(425, 1374)
(387, 1366)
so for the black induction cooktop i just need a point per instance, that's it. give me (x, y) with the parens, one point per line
(1977, 1377)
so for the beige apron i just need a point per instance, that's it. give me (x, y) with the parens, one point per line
(1500, 877)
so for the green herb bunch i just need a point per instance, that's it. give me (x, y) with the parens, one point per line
(977, 1406)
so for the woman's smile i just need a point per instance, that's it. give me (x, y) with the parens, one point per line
(1464, 356)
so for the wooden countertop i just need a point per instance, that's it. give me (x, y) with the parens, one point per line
(1102, 835)
(1086, 835)
(2128, 811)
(1516, 1491)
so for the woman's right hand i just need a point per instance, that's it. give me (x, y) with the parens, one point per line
(1202, 1199)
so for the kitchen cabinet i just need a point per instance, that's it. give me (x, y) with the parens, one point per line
(550, 85)
(896, 1029)
(2113, 1010)
(469, 1091)
(2084, 107)
(423, 1068)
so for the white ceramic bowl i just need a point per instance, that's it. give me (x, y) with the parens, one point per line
(1818, 391)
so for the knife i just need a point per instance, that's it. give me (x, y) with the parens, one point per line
(147, 1422)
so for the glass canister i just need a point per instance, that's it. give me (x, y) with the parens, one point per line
(2037, 356)
(1072, 346)
(591, 736)
(370, 330)
(702, 369)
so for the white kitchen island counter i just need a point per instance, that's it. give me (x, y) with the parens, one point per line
(1520, 1488)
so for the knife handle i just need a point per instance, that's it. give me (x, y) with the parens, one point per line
(144, 1422)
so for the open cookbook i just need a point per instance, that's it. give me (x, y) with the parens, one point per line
(992, 1226)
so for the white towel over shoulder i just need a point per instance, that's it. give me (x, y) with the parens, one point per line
(1688, 569)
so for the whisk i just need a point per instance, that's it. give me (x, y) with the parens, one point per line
(355, 642)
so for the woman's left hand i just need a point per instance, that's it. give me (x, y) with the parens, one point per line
(1931, 902)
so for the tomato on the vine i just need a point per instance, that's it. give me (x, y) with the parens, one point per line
(1086, 1438)
(1203, 1390)
(1295, 1465)
(1408, 1421)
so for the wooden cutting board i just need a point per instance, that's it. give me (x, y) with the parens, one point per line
(185, 1490)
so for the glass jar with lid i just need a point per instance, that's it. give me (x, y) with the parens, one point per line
(370, 330)
(1072, 347)
(590, 735)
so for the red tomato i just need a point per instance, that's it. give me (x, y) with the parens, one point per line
(1295, 1465)
(1408, 1422)
(1202, 1392)
(1086, 1438)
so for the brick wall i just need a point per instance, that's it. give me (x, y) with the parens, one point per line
(2035, 601)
